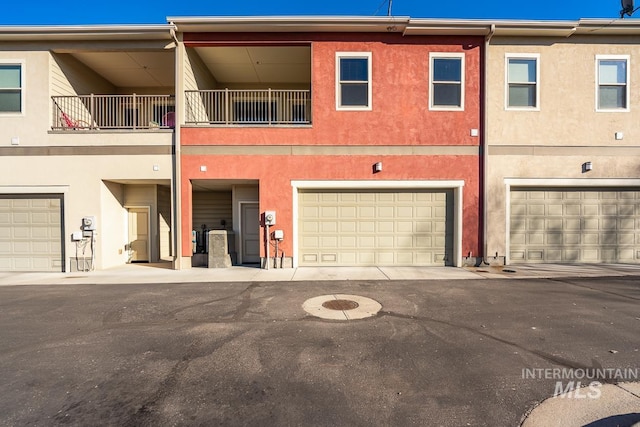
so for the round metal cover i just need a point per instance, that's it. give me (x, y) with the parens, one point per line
(340, 304)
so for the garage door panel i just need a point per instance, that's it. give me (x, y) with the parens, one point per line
(626, 224)
(628, 210)
(348, 212)
(386, 227)
(554, 210)
(367, 227)
(571, 239)
(347, 226)
(590, 210)
(348, 242)
(330, 257)
(329, 227)
(390, 228)
(626, 255)
(598, 225)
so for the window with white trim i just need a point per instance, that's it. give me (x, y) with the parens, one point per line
(353, 80)
(612, 92)
(523, 89)
(11, 87)
(446, 81)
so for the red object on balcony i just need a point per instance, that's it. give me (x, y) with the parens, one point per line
(169, 119)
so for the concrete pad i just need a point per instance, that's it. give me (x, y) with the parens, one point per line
(428, 273)
(632, 387)
(579, 409)
(366, 307)
(339, 273)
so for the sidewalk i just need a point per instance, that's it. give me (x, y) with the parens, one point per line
(162, 273)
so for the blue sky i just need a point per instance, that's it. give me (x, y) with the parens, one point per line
(64, 12)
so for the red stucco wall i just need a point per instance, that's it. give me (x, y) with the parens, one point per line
(400, 92)
(400, 116)
(275, 174)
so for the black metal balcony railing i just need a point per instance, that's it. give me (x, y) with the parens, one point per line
(248, 107)
(106, 112)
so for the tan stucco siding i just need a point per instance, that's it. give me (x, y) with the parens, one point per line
(567, 105)
(616, 169)
(566, 131)
(89, 191)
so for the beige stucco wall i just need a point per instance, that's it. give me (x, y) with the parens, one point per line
(83, 180)
(567, 113)
(555, 141)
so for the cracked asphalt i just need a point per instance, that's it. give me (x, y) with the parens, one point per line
(439, 353)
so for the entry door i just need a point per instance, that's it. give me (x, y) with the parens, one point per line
(138, 235)
(250, 213)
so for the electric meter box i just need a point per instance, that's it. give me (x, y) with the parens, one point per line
(270, 218)
(89, 223)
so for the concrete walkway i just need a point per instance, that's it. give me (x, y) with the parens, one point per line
(162, 273)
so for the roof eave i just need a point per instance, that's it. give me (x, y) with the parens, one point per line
(289, 24)
(84, 32)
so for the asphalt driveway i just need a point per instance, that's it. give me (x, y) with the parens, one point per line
(448, 353)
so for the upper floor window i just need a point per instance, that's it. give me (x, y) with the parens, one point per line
(11, 86)
(446, 81)
(522, 81)
(353, 80)
(612, 93)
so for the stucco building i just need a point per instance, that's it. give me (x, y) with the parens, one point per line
(562, 134)
(385, 141)
(86, 151)
(362, 135)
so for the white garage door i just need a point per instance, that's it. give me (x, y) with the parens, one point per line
(566, 225)
(30, 233)
(375, 228)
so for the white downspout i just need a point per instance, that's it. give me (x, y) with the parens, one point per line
(485, 146)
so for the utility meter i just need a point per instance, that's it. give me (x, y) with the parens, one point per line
(269, 218)
(89, 223)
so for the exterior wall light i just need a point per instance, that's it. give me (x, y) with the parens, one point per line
(586, 167)
(377, 167)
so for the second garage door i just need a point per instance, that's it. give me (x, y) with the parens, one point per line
(30, 233)
(375, 228)
(565, 225)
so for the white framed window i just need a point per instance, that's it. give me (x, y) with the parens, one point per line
(446, 81)
(522, 71)
(612, 82)
(11, 87)
(353, 81)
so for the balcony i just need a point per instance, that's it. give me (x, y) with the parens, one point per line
(113, 112)
(267, 107)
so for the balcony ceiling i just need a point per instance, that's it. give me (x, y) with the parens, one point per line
(132, 69)
(258, 64)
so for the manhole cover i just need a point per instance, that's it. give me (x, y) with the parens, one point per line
(340, 304)
(341, 307)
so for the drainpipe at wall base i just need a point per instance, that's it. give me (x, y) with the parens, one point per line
(177, 170)
(484, 145)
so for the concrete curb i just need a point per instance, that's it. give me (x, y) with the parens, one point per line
(604, 405)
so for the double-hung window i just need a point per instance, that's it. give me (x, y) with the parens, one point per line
(523, 88)
(11, 87)
(353, 80)
(446, 81)
(612, 93)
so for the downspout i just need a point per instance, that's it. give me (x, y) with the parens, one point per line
(484, 145)
(177, 171)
